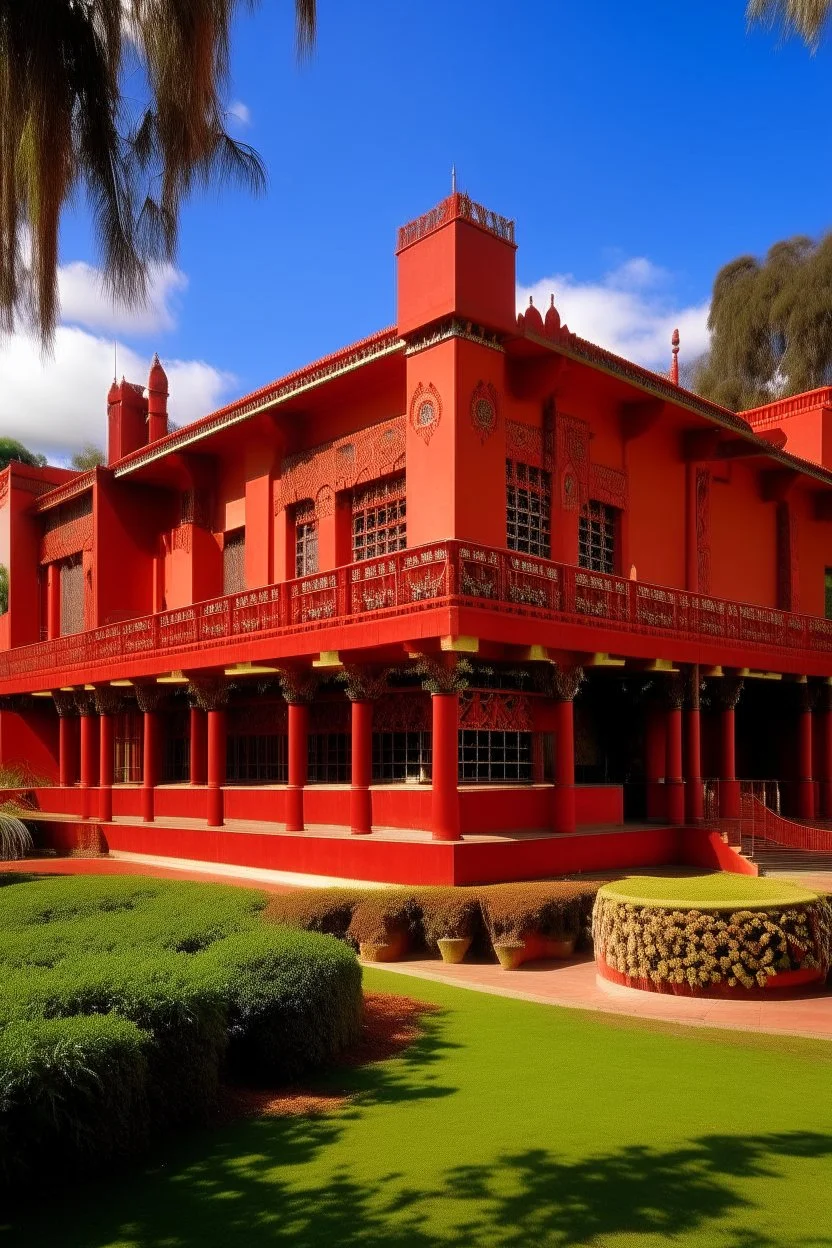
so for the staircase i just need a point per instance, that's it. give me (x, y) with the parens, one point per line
(783, 861)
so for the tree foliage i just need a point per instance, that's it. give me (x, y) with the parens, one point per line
(88, 457)
(11, 449)
(124, 99)
(806, 18)
(771, 326)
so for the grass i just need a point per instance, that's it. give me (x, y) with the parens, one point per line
(708, 892)
(509, 1123)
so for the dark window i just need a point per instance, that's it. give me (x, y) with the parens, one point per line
(176, 763)
(495, 757)
(329, 758)
(528, 509)
(597, 528)
(402, 756)
(127, 748)
(306, 542)
(827, 597)
(234, 562)
(378, 519)
(257, 760)
(72, 596)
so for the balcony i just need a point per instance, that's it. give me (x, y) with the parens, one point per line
(492, 594)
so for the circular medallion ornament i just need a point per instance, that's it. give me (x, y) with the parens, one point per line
(569, 490)
(425, 410)
(484, 409)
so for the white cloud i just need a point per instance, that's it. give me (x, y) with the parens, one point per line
(241, 114)
(58, 404)
(85, 302)
(632, 310)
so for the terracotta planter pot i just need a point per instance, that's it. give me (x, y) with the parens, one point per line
(510, 956)
(454, 948)
(390, 950)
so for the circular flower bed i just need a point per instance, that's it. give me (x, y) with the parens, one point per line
(712, 935)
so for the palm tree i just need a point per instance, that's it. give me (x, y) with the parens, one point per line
(15, 837)
(67, 123)
(806, 18)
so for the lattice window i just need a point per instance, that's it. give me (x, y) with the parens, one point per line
(72, 596)
(402, 756)
(127, 748)
(528, 509)
(234, 562)
(329, 758)
(378, 519)
(257, 759)
(176, 763)
(597, 532)
(495, 757)
(306, 541)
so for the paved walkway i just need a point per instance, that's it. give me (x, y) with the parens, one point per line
(575, 985)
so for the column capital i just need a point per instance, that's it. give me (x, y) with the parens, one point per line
(693, 687)
(448, 674)
(674, 690)
(150, 697)
(724, 691)
(65, 703)
(85, 701)
(209, 692)
(364, 682)
(108, 701)
(299, 685)
(809, 695)
(566, 681)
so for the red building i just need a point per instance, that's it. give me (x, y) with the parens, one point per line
(451, 604)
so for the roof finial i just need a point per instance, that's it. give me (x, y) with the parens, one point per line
(674, 365)
(453, 179)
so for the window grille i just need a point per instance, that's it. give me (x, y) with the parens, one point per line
(306, 542)
(176, 765)
(257, 759)
(329, 758)
(528, 509)
(402, 757)
(234, 562)
(495, 757)
(72, 596)
(597, 526)
(378, 519)
(127, 748)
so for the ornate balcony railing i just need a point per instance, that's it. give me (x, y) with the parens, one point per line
(445, 574)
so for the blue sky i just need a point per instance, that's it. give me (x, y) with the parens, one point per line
(638, 146)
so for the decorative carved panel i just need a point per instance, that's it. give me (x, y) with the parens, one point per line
(484, 410)
(320, 472)
(425, 410)
(703, 530)
(495, 711)
(402, 712)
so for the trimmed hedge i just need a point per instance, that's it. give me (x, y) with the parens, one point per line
(666, 944)
(190, 968)
(502, 912)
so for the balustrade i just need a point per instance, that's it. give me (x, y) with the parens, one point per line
(440, 574)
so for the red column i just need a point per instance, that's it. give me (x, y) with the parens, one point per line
(361, 808)
(445, 767)
(673, 767)
(694, 792)
(729, 786)
(298, 715)
(198, 747)
(89, 723)
(826, 764)
(563, 795)
(806, 785)
(66, 750)
(105, 768)
(216, 766)
(150, 768)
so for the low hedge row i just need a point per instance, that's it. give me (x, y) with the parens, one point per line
(491, 913)
(740, 948)
(185, 978)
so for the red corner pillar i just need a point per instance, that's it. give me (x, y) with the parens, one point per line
(825, 717)
(105, 767)
(694, 790)
(445, 766)
(89, 756)
(216, 769)
(198, 749)
(728, 690)
(149, 698)
(566, 682)
(361, 807)
(806, 785)
(298, 724)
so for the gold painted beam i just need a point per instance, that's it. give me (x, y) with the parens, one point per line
(328, 658)
(460, 645)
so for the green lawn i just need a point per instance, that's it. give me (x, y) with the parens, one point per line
(508, 1123)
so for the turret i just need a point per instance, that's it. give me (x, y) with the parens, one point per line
(157, 402)
(126, 419)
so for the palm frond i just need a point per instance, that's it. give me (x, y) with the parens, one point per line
(15, 837)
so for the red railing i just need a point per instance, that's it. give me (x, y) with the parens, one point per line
(761, 823)
(448, 573)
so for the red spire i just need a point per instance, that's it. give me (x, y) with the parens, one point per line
(674, 364)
